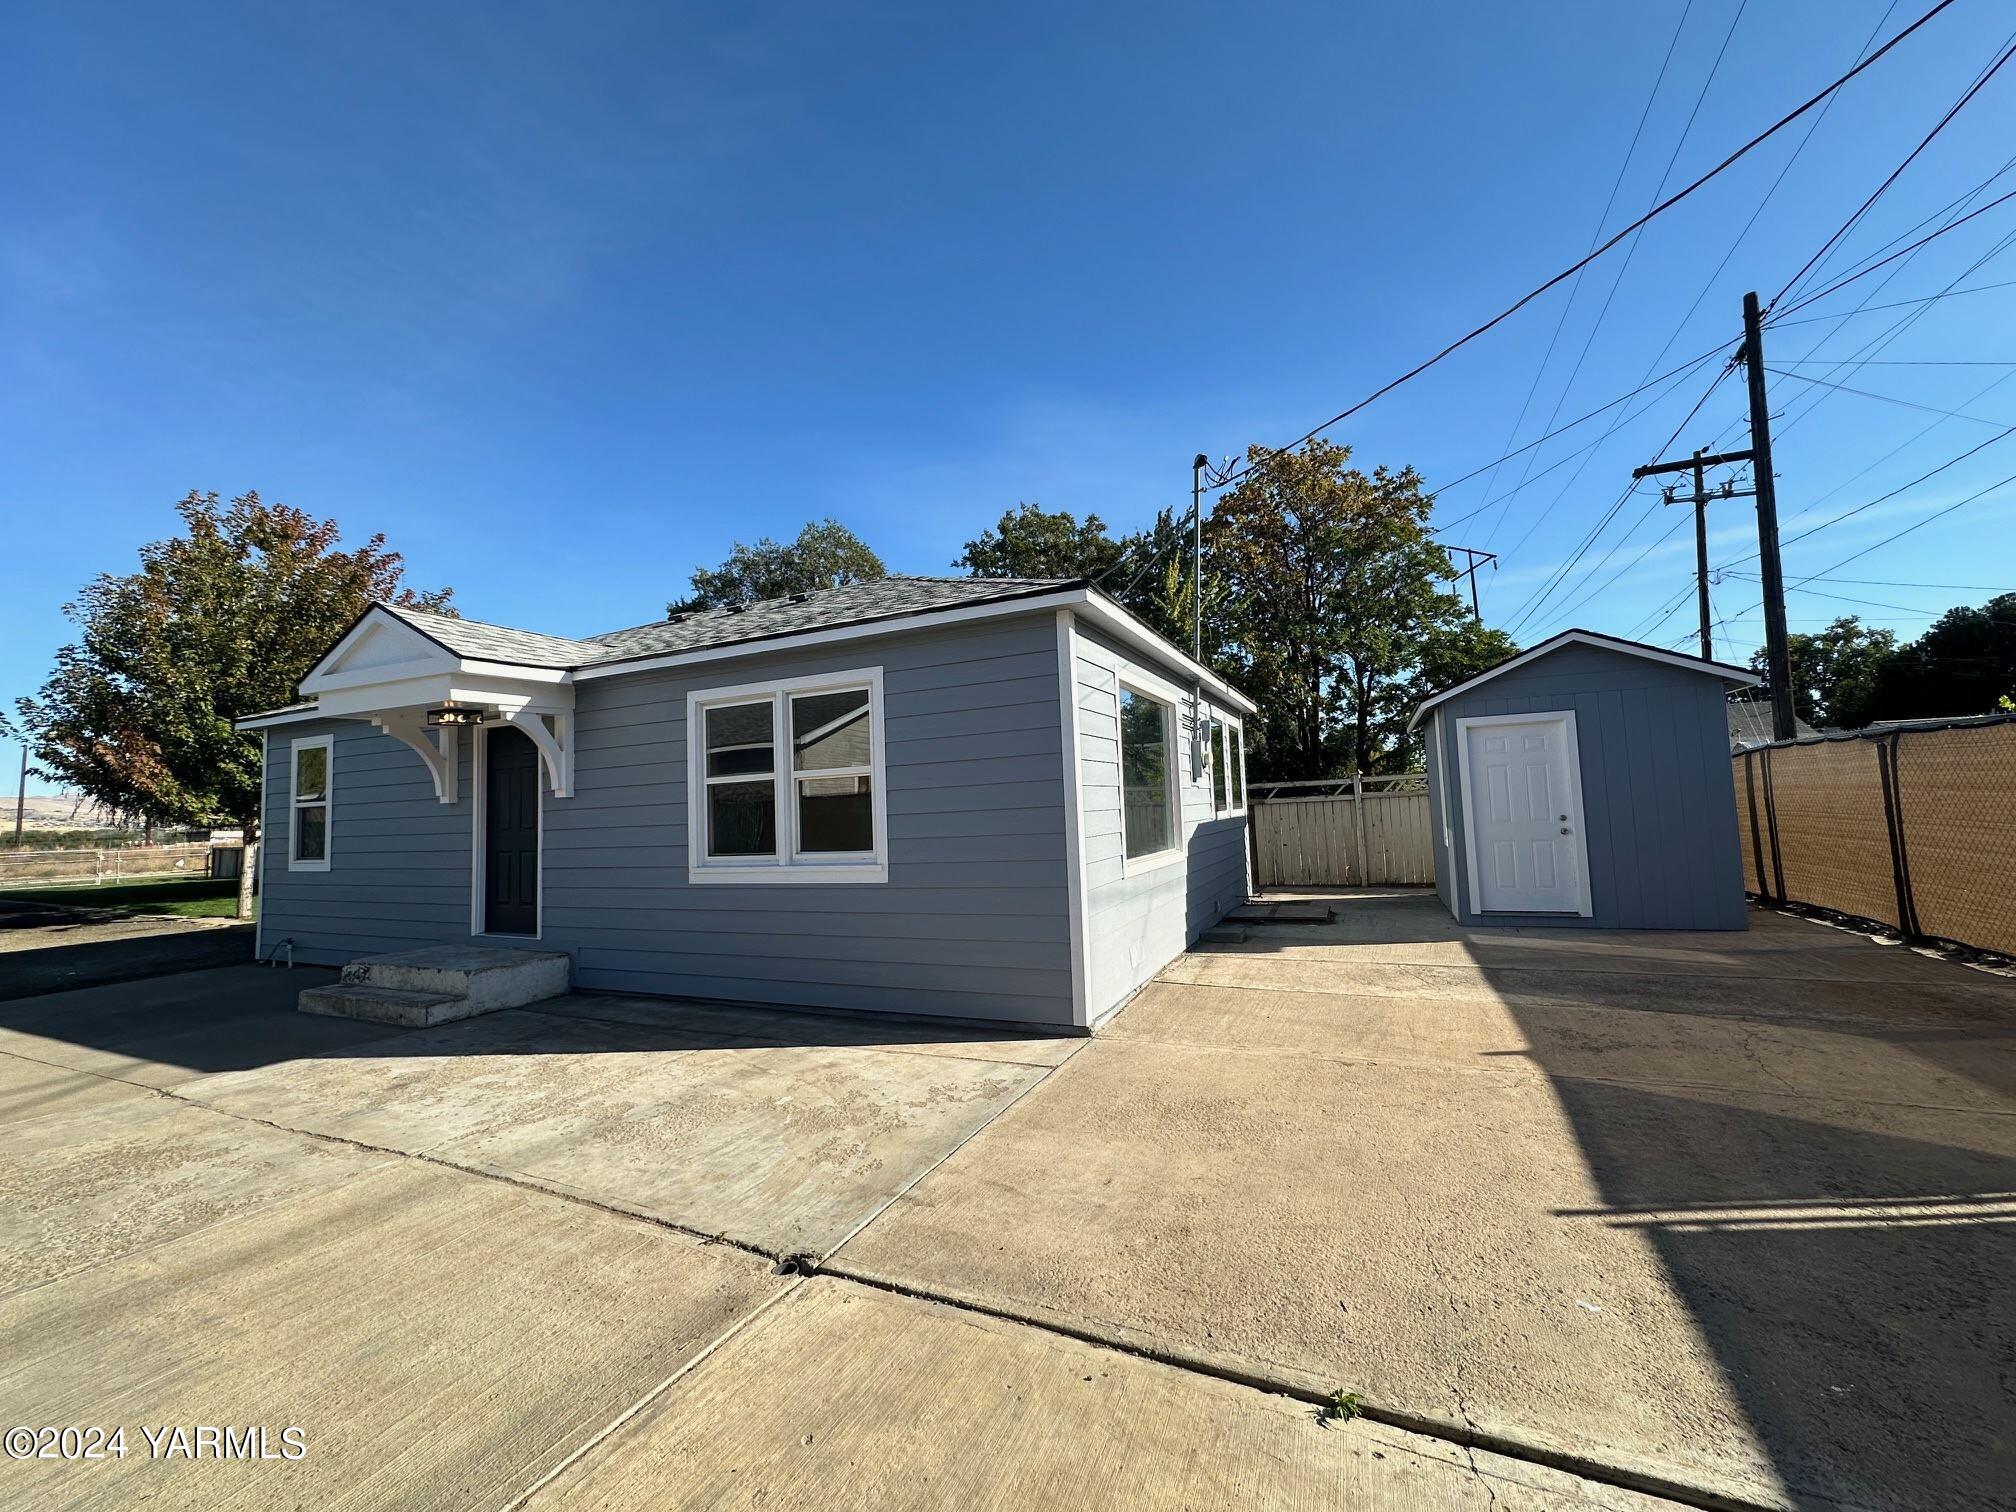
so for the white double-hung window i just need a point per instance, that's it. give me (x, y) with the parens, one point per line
(309, 792)
(786, 781)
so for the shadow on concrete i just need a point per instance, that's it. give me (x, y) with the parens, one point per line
(91, 962)
(1847, 1262)
(195, 1022)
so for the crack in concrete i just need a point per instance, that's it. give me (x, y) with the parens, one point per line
(803, 1267)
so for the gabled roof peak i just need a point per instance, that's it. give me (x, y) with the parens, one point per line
(1738, 676)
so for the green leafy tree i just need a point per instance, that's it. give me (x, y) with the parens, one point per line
(1835, 672)
(826, 554)
(1964, 664)
(1336, 617)
(1030, 541)
(219, 622)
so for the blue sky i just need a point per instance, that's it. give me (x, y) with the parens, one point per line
(567, 298)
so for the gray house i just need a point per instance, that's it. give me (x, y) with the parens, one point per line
(973, 798)
(1586, 783)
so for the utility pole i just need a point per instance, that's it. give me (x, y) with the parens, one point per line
(1699, 464)
(1701, 555)
(1476, 559)
(21, 795)
(1777, 648)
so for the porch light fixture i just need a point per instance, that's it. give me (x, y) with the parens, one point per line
(452, 714)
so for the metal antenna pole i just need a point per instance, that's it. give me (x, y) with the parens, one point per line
(1197, 556)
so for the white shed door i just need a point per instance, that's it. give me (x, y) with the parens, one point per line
(1524, 809)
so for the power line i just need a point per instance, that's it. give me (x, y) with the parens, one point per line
(1559, 430)
(1845, 280)
(1576, 288)
(1842, 388)
(1657, 210)
(1547, 590)
(1826, 572)
(1899, 304)
(1617, 283)
(1901, 362)
(1909, 158)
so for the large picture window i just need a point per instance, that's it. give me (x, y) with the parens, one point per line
(790, 782)
(309, 801)
(1148, 814)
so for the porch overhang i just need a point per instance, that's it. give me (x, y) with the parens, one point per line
(386, 672)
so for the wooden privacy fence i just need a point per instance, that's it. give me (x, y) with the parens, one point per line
(1351, 832)
(1914, 827)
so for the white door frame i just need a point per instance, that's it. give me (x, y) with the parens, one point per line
(1537, 716)
(479, 747)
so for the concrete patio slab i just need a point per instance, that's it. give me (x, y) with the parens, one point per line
(171, 1029)
(785, 1148)
(922, 1406)
(35, 1089)
(1927, 1058)
(440, 1340)
(1788, 1300)
(1932, 990)
(96, 1182)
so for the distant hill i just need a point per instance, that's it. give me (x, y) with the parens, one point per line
(56, 811)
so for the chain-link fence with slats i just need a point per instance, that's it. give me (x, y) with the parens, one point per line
(1914, 828)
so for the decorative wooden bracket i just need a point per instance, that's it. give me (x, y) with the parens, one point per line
(410, 728)
(556, 752)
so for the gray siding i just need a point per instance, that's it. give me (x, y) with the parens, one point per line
(1659, 801)
(973, 921)
(1136, 921)
(399, 861)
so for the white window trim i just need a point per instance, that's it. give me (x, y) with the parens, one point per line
(790, 866)
(327, 802)
(1152, 689)
(1227, 723)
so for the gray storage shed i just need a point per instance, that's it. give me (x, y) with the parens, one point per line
(1586, 784)
(970, 798)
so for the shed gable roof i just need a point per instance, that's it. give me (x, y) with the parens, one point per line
(1738, 676)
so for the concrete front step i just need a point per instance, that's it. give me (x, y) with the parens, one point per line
(385, 1005)
(490, 976)
(437, 983)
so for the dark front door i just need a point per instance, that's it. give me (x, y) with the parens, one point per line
(511, 833)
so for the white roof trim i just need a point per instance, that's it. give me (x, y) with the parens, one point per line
(1723, 670)
(277, 717)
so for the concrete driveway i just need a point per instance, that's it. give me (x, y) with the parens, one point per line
(1734, 1215)
(1722, 1217)
(567, 1256)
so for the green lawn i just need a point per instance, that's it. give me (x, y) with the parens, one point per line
(191, 897)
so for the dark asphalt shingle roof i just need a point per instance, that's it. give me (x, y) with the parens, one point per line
(852, 604)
